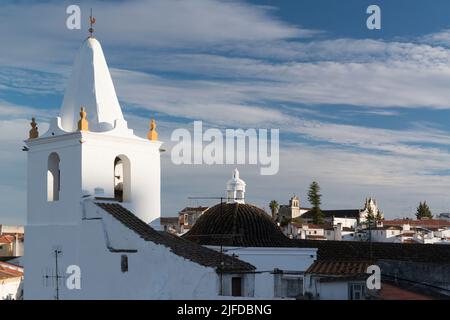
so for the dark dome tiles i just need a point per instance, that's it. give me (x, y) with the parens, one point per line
(241, 225)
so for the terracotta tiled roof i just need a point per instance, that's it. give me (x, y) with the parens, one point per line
(363, 251)
(316, 226)
(9, 271)
(391, 292)
(418, 223)
(344, 268)
(235, 224)
(181, 247)
(6, 239)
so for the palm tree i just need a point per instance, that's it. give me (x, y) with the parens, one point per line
(274, 207)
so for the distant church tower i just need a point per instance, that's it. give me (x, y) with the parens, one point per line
(88, 151)
(236, 189)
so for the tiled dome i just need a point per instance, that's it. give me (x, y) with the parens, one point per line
(237, 224)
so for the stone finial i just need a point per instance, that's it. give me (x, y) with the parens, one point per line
(34, 133)
(83, 123)
(152, 134)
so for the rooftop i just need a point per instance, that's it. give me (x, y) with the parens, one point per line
(6, 239)
(364, 251)
(418, 223)
(344, 268)
(390, 291)
(179, 246)
(8, 270)
(346, 213)
(194, 209)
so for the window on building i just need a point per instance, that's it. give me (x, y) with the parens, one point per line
(288, 286)
(122, 176)
(356, 291)
(236, 286)
(53, 177)
(124, 263)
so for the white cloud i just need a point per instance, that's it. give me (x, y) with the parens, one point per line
(440, 38)
(220, 103)
(137, 23)
(253, 77)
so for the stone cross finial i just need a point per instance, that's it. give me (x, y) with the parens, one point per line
(34, 133)
(152, 134)
(83, 123)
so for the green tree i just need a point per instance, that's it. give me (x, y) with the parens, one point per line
(423, 211)
(370, 215)
(314, 199)
(274, 207)
(379, 216)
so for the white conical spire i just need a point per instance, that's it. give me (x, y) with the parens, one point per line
(236, 188)
(90, 86)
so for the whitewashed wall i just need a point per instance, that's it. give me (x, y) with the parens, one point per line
(9, 287)
(267, 259)
(154, 271)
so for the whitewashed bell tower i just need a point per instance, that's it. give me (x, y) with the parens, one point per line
(88, 153)
(90, 150)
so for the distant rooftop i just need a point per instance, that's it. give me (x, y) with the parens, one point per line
(418, 223)
(346, 213)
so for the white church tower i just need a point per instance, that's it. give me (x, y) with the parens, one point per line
(88, 151)
(236, 188)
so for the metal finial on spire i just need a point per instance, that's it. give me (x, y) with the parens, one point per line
(91, 23)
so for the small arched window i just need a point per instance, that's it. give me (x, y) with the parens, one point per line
(122, 177)
(53, 177)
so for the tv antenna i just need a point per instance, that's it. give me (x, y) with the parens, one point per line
(56, 276)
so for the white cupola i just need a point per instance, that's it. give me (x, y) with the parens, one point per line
(90, 86)
(236, 189)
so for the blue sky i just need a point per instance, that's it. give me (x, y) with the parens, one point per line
(365, 113)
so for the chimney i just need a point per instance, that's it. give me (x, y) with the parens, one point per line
(338, 232)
